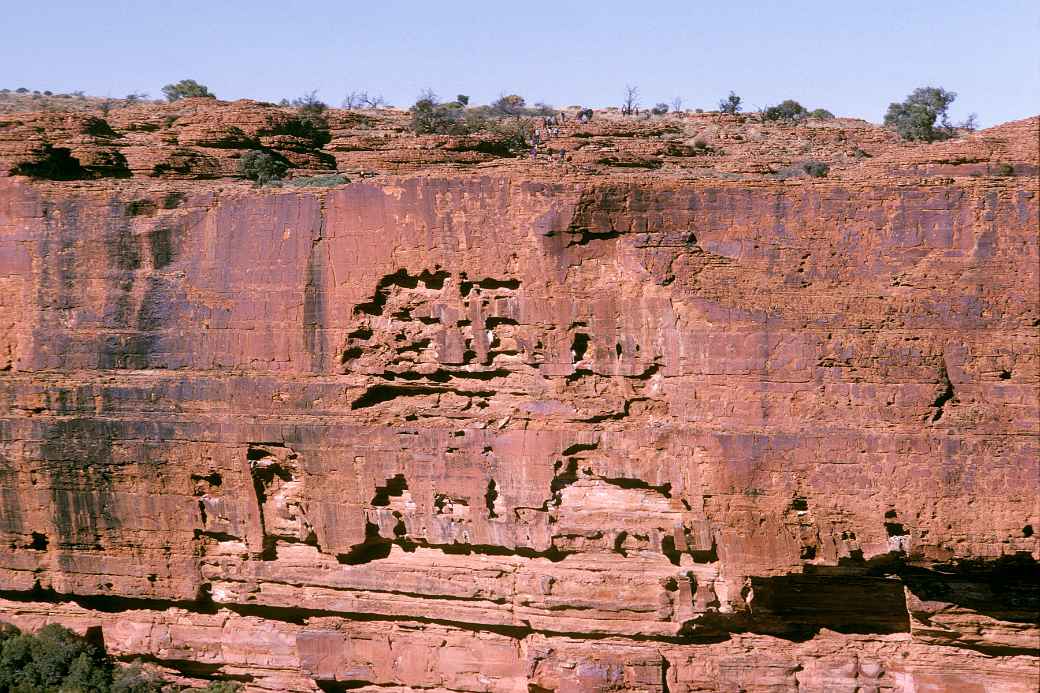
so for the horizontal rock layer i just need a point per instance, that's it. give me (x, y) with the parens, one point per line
(482, 433)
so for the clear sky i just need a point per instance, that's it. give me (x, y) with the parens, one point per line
(852, 58)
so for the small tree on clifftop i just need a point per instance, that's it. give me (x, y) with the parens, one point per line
(310, 104)
(915, 118)
(789, 110)
(631, 102)
(730, 104)
(185, 89)
(509, 105)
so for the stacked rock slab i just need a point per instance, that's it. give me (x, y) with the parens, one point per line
(485, 430)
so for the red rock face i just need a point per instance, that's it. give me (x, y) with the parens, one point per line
(487, 433)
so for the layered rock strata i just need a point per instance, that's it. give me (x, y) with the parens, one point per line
(489, 431)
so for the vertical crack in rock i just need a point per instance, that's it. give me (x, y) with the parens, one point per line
(314, 296)
(945, 395)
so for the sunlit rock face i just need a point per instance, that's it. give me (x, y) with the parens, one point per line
(546, 432)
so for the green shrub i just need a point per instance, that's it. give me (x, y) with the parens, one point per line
(788, 110)
(659, 109)
(1003, 170)
(324, 181)
(56, 659)
(262, 167)
(821, 114)
(429, 118)
(816, 169)
(511, 104)
(310, 104)
(185, 89)
(462, 99)
(52, 659)
(916, 117)
(137, 678)
(730, 104)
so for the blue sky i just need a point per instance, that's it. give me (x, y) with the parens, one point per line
(850, 57)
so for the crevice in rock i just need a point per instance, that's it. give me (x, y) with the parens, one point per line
(443, 503)
(614, 416)
(664, 489)
(443, 376)
(111, 604)
(579, 346)
(400, 278)
(668, 549)
(491, 499)
(579, 447)
(577, 375)
(946, 393)
(395, 486)
(619, 543)
(328, 686)
(379, 394)
(488, 284)
(553, 553)
(373, 548)
(564, 476)
(189, 667)
(586, 236)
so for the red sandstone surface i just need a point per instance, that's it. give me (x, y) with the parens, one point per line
(655, 418)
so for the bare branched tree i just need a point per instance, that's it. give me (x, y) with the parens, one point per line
(310, 103)
(362, 99)
(631, 102)
(677, 104)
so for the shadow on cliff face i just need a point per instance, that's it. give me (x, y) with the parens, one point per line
(799, 606)
(880, 599)
(78, 459)
(57, 163)
(145, 311)
(53, 163)
(1007, 589)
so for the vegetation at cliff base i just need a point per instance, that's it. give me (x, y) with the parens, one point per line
(56, 659)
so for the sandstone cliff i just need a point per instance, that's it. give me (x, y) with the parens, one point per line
(653, 418)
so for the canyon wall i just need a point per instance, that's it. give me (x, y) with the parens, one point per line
(496, 433)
